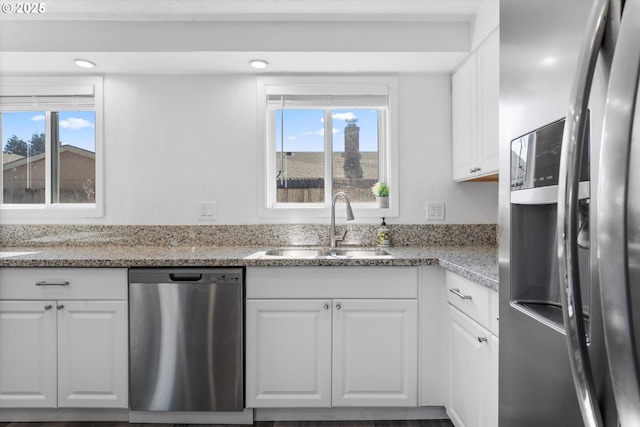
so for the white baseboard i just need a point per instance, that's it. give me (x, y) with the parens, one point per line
(348, 414)
(55, 415)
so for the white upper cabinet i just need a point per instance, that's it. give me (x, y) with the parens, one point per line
(475, 92)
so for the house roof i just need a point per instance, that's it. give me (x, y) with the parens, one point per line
(10, 157)
(310, 165)
(11, 160)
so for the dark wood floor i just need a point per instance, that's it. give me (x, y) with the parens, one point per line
(401, 423)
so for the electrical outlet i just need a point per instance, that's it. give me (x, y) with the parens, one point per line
(435, 211)
(207, 211)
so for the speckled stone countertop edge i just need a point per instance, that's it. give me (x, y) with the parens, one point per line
(471, 274)
(476, 263)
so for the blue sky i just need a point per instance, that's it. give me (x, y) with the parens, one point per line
(76, 127)
(304, 129)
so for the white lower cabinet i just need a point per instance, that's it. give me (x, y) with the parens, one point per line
(473, 356)
(470, 372)
(62, 353)
(92, 339)
(288, 353)
(375, 353)
(28, 360)
(336, 351)
(324, 353)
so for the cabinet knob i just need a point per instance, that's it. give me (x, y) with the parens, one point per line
(338, 306)
(60, 307)
(48, 307)
(326, 306)
(482, 339)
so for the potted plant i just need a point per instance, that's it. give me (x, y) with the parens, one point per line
(381, 192)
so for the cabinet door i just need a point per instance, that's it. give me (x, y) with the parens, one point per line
(469, 378)
(488, 61)
(288, 353)
(27, 354)
(375, 353)
(464, 119)
(92, 354)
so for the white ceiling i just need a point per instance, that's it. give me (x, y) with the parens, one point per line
(221, 36)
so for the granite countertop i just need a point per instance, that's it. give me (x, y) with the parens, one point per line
(477, 263)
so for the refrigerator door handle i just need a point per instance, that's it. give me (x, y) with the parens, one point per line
(613, 190)
(568, 181)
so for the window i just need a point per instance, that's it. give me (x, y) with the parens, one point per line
(325, 135)
(51, 147)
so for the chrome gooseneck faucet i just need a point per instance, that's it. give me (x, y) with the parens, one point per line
(335, 237)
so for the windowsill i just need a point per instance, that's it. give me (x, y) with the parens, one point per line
(324, 212)
(67, 210)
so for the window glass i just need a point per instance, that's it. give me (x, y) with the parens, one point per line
(75, 157)
(68, 137)
(300, 159)
(355, 153)
(23, 157)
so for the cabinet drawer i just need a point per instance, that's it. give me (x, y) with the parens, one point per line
(471, 298)
(63, 283)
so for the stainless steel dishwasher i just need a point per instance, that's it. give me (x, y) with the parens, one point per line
(186, 339)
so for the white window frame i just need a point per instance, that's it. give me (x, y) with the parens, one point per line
(61, 86)
(337, 85)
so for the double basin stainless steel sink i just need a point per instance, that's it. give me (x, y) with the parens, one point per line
(328, 253)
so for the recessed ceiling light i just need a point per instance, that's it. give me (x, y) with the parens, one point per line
(84, 63)
(258, 63)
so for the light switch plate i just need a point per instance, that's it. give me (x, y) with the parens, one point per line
(435, 211)
(207, 211)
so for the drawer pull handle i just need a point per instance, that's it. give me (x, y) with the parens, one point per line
(48, 283)
(458, 293)
(60, 307)
(48, 307)
(482, 339)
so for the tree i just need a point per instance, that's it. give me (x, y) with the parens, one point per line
(36, 144)
(15, 146)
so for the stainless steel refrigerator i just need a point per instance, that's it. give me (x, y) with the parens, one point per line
(569, 213)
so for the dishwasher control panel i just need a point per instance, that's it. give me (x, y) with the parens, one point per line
(222, 277)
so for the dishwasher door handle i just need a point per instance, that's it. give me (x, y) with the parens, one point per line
(185, 277)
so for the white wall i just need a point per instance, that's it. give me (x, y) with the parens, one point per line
(171, 141)
(425, 157)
